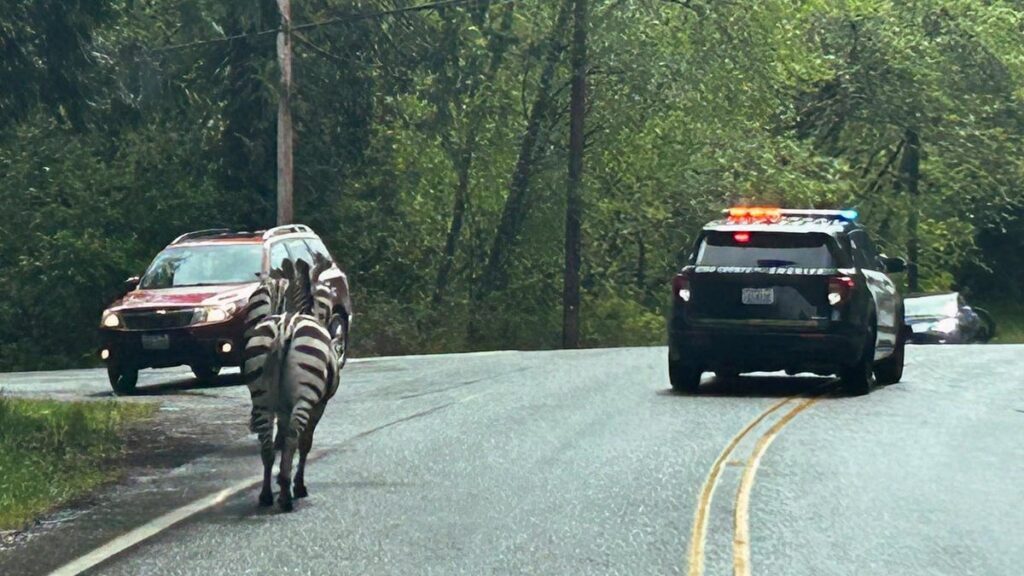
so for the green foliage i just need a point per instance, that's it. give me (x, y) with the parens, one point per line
(692, 106)
(51, 452)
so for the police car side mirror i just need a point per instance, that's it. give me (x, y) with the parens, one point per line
(131, 283)
(894, 265)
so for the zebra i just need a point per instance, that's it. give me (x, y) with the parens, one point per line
(291, 371)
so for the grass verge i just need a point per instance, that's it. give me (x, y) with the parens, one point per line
(52, 452)
(1009, 321)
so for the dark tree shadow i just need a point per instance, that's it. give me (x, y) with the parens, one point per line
(180, 386)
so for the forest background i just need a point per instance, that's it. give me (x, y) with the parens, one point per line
(431, 150)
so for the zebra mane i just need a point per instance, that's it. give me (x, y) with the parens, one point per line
(299, 292)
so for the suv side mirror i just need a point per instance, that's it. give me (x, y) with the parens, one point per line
(131, 283)
(893, 265)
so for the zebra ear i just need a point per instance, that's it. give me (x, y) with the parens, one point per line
(287, 269)
(302, 270)
(320, 265)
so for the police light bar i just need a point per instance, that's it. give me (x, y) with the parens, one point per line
(754, 213)
(848, 215)
(764, 214)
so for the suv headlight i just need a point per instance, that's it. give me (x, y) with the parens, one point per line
(110, 319)
(214, 314)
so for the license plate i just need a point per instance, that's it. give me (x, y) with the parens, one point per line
(758, 296)
(156, 341)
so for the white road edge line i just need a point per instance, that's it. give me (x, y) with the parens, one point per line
(151, 528)
(159, 524)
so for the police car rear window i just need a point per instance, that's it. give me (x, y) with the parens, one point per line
(767, 249)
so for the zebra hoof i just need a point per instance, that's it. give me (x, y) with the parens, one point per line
(266, 499)
(285, 504)
(300, 491)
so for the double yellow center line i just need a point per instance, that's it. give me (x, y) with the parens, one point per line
(741, 523)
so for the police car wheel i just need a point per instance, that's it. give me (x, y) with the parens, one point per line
(890, 370)
(684, 377)
(859, 379)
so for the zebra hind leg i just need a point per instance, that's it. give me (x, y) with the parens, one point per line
(305, 445)
(284, 477)
(279, 438)
(267, 452)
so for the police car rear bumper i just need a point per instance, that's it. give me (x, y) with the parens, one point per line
(755, 348)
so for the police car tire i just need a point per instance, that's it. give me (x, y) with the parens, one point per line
(684, 377)
(890, 370)
(859, 379)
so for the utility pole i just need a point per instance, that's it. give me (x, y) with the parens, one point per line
(574, 203)
(284, 116)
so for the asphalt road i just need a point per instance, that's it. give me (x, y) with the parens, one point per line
(585, 463)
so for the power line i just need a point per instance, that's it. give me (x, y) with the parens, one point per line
(331, 21)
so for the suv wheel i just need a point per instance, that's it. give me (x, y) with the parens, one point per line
(859, 379)
(338, 328)
(122, 380)
(205, 373)
(684, 377)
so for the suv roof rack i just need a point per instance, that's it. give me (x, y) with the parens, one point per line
(287, 229)
(201, 234)
(212, 232)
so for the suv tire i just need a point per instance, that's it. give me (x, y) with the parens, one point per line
(205, 373)
(122, 380)
(890, 370)
(338, 328)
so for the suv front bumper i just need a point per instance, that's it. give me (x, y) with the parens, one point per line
(192, 345)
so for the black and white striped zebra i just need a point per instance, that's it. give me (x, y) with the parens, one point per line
(291, 371)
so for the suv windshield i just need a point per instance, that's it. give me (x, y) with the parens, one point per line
(204, 265)
(765, 250)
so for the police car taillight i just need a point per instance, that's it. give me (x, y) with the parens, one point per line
(681, 287)
(839, 289)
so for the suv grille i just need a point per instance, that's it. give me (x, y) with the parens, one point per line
(158, 319)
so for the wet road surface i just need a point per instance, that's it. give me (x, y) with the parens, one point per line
(586, 463)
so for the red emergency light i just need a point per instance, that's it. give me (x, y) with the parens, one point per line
(754, 214)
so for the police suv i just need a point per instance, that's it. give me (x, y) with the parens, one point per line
(797, 290)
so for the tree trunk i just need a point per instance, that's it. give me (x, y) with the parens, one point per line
(573, 205)
(458, 217)
(514, 212)
(910, 173)
(463, 159)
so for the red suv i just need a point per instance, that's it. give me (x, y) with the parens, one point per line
(189, 306)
